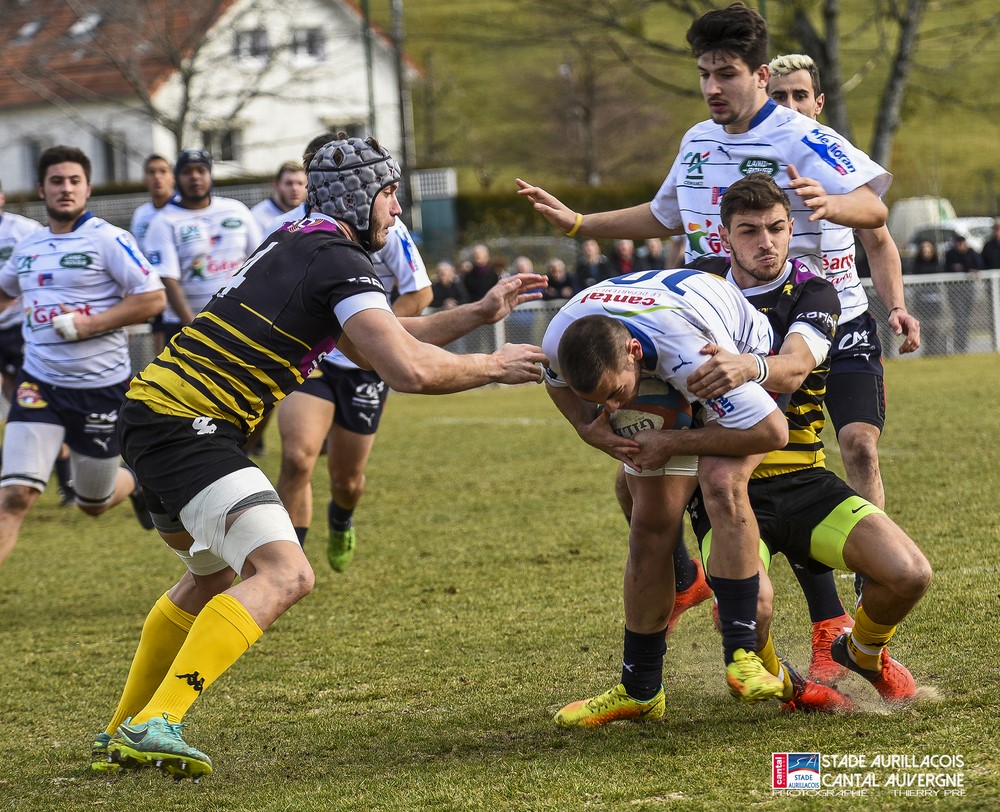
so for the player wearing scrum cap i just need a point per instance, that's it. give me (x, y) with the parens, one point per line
(309, 287)
(340, 405)
(197, 240)
(81, 281)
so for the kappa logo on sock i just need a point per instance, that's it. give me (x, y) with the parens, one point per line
(196, 682)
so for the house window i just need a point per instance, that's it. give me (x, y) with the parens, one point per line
(115, 157)
(252, 43)
(309, 42)
(84, 27)
(223, 145)
(354, 129)
(27, 32)
(33, 149)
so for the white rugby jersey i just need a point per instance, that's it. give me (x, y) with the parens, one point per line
(673, 314)
(141, 218)
(13, 229)
(200, 247)
(266, 211)
(399, 265)
(89, 270)
(710, 160)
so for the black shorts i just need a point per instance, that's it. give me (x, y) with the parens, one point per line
(89, 416)
(789, 508)
(11, 350)
(358, 396)
(175, 458)
(855, 387)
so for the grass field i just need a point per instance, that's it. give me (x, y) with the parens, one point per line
(485, 594)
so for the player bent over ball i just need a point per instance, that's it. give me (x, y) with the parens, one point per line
(601, 345)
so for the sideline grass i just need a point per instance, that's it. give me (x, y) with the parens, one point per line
(486, 593)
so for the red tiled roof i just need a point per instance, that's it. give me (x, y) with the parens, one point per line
(134, 38)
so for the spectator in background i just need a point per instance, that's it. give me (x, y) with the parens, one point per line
(623, 258)
(593, 266)
(448, 290)
(289, 187)
(960, 258)
(928, 300)
(481, 275)
(652, 256)
(991, 249)
(560, 284)
(522, 264)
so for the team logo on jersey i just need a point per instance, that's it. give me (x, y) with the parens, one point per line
(704, 239)
(197, 268)
(717, 193)
(153, 257)
(24, 263)
(28, 397)
(830, 150)
(5, 253)
(76, 260)
(695, 162)
(44, 280)
(232, 222)
(750, 166)
(190, 233)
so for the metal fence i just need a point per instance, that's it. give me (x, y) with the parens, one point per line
(958, 314)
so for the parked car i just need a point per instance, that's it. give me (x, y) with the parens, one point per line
(976, 230)
(911, 213)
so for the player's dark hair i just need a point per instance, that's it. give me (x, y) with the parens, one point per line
(62, 154)
(590, 348)
(154, 157)
(756, 192)
(316, 144)
(735, 30)
(288, 166)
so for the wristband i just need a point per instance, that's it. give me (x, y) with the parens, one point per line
(576, 226)
(65, 327)
(895, 309)
(762, 369)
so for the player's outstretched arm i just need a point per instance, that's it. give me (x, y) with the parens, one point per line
(859, 208)
(636, 223)
(409, 365)
(887, 276)
(445, 326)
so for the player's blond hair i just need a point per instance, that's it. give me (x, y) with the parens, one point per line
(789, 63)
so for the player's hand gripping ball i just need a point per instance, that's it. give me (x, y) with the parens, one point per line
(657, 406)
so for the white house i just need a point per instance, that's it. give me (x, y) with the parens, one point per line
(249, 80)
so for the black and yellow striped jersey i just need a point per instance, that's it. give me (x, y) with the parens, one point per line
(263, 333)
(809, 299)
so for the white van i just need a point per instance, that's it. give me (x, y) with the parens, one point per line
(911, 213)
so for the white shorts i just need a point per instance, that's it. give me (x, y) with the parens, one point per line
(676, 466)
(204, 517)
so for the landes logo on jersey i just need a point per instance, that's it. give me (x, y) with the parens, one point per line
(750, 166)
(704, 239)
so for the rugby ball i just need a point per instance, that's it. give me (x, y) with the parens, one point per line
(657, 406)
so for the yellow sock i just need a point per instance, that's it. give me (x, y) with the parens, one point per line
(163, 634)
(769, 657)
(221, 633)
(867, 641)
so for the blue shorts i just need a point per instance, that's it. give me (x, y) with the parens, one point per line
(358, 396)
(89, 416)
